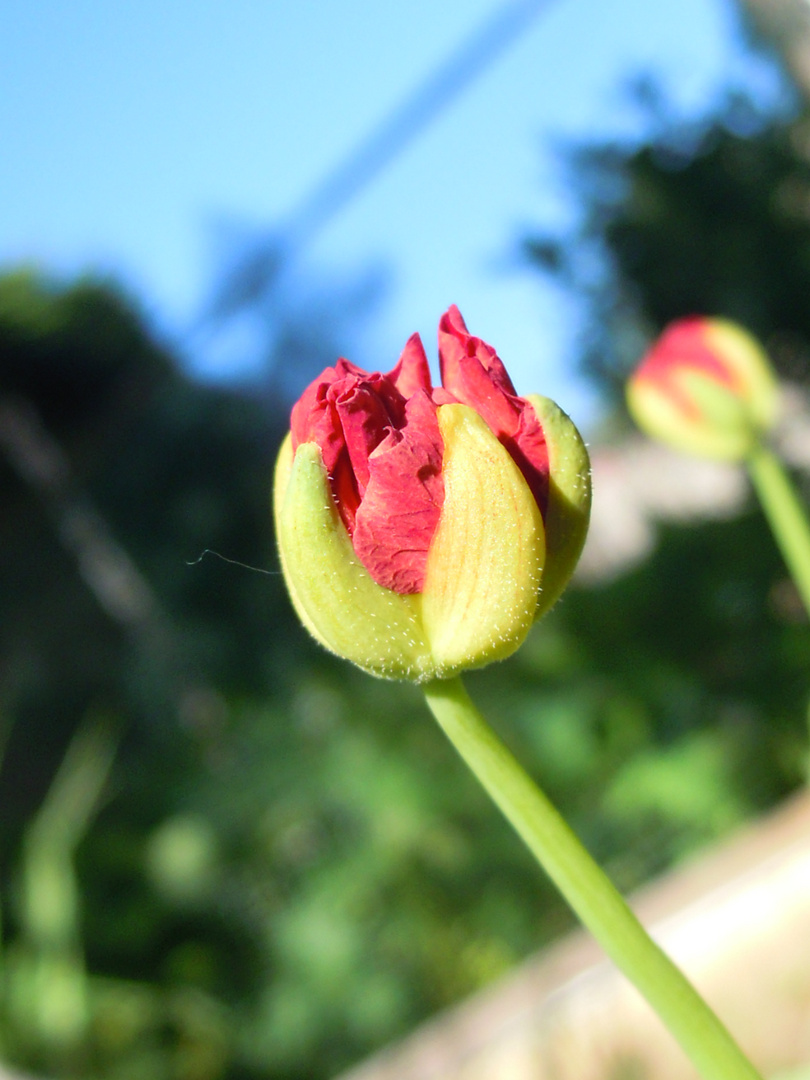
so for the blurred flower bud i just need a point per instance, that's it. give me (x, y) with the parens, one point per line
(705, 387)
(421, 529)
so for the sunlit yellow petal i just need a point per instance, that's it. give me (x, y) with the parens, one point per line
(486, 558)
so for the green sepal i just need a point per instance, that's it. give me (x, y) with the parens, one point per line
(568, 511)
(333, 593)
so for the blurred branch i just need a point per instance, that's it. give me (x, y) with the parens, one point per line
(46, 984)
(120, 589)
(5, 731)
(74, 794)
(38, 459)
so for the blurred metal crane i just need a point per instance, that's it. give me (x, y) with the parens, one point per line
(255, 270)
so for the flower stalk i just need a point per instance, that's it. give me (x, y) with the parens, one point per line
(586, 888)
(785, 515)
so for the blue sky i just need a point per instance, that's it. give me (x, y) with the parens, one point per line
(130, 133)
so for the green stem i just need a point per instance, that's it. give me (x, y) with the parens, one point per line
(586, 888)
(785, 515)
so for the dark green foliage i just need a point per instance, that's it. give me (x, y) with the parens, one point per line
(704, 219)
(289, 867)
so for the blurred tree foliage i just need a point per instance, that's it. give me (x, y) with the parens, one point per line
(708, 217)
(226, 854)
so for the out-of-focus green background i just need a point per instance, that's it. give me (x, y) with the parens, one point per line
(226, 854)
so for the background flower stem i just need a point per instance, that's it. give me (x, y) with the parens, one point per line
(586, 888)
(785, 515)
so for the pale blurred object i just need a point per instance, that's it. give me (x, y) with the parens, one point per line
(638, 484)
(786, 24)
(738, 921)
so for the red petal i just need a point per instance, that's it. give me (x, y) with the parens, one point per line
(683, 344)
(474, 374)
(315, 418)
(400, 509)
(412, 371)
(382, 450)
(364, 421)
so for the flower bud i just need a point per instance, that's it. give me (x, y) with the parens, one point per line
(705, 387)
(422, 530)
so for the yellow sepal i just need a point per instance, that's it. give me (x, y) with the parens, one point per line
(486, 559)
